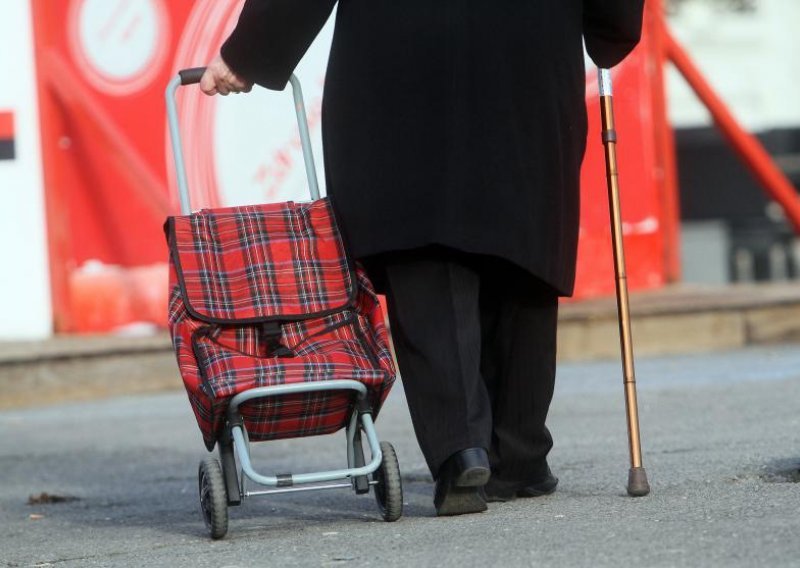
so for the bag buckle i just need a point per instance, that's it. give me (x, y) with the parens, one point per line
(271, 334)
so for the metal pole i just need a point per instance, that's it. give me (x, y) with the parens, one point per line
(177, 145)
(637, 477)
(305, 137)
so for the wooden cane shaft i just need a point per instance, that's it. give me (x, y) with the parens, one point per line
(623, 306)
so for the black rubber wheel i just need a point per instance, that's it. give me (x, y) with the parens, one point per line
(389, 489)
(213, 497)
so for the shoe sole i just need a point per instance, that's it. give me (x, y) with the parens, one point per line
(461, 501)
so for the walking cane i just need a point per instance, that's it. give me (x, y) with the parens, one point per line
(637, 476)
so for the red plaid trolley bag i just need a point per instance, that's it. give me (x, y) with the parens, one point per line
(277, 335)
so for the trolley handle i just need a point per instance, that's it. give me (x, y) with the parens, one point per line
(192, 76)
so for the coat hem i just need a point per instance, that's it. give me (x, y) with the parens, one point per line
(370, 256)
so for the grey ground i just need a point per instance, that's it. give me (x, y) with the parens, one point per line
(720, 445)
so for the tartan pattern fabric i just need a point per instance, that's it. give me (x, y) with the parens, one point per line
(279, 261)
(329, 341)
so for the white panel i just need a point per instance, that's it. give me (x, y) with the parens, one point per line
(25, 310)
(749, 56)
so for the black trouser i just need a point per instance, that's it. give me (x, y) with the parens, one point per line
(475, 339)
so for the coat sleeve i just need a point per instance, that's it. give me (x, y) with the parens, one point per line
(611, 29)
(272, 36)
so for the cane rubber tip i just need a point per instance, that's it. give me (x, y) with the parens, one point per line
(637, 482)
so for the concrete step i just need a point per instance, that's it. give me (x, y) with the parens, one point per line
(684, 319)
(71, 368)
(677, 319)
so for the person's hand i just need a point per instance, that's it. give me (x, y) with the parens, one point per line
(219, 78)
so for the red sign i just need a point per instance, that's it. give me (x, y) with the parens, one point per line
(102, 66)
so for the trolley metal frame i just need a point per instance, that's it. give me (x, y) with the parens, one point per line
(234, 441)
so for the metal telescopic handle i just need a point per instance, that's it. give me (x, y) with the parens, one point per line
(192, 76)
(637, 476)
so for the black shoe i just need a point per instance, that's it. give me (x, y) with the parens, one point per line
(545, 486)
(498, 491)
(459, 481)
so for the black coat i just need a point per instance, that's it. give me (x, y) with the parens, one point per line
(452, 122)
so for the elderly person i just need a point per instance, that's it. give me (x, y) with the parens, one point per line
(453, 133)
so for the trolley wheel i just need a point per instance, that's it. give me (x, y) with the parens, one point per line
(389, 487)
(213, 497)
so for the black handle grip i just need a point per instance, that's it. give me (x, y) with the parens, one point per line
(191, 76)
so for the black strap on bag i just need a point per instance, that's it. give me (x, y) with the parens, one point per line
(271, 334)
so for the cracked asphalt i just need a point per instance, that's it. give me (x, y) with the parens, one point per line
(720, 443)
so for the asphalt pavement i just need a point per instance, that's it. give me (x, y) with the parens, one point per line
(720, 442)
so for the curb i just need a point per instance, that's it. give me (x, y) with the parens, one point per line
(678, 319)
(684, 319)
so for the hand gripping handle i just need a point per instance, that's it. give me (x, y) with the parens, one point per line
(192, 76)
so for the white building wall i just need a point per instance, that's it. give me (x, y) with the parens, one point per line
(750, 55)
(25, 307)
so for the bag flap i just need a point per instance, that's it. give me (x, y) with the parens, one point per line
(281, 261)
